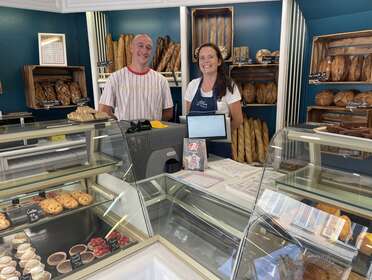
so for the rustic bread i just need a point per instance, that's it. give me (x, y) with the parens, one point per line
(271, 93)
(49, 91)
(367, 68)
(39, 94)
(340, 68)
(261, 93)
(249, 93)
(355, 70)
(324, 98)
(63, 93)
(343, 98)
(75, 92)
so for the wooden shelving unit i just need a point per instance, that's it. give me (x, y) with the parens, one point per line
(254, 72)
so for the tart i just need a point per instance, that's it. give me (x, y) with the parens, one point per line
(64, 267)
(87, 257)
(56, 258)
(77, 249)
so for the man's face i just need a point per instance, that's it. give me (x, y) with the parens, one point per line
(141, 50)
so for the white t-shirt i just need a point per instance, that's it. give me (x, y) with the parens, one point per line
(222, 105)
(137, 95)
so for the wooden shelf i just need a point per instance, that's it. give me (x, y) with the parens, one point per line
(254, 72)
(254, 65)
(258, 105)
(341, 83)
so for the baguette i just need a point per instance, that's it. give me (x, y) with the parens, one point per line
(247, 141)
(367, 68)
(128, 42)
(110, 53)
(221, 30)
(173, 59)
(241, 147)
(121, 52)
(213, 30)
(116, 61)
(355, 70)
(259, 142)
(177, 64)
(165, 59)
(228, 36)
(265, 137)
(253, 140)
(234, 144)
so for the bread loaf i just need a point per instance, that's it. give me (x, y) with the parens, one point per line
(261, 93)
(39, 94)
(340, 68)
(355, 70)
(234, 144)
(265, 137)
(241, 146)
(63, 93)
(253, 140)
(364, 98)
(116, 61)
(247, 141)
(325, 67)
(259, 141)
(167, 56)
(271, 93)
(324, 98)
(121, 52)
(128, 42)
(75, 92)
(110, 53)
(367, 68)
(343, 98)
(49, 91)
(249, 93)
(261, 53)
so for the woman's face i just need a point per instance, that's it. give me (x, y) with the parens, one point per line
(208, 61)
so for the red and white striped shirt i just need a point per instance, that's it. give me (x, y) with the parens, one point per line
(136, 95)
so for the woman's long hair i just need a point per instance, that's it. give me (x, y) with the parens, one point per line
(223, 81)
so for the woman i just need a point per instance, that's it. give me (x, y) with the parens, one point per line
(213, 92)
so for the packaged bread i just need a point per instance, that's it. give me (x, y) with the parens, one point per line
(63, 93)
(333, 210)
(343, 98)
(247, 141)
(49, 91)
(325, 67)
(346, 230)
(261, 53)
(365, 241)
(367, 68)
(39, 94)
(324, 98)
(75, 92)
(234, 144)
(241, 147)
(340, 68)
(249, 92)
(261, 93)
(355, 70)
(271, 93)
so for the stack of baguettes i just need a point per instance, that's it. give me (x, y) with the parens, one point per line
(167, 55)
(250, 141)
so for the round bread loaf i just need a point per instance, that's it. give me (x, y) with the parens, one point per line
(324, 98)
(271, 93)
(261, 53)
(340, 68)
(261, 93)
(343, 98)
(355, 70)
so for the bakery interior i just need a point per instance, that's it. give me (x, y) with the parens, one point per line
(288, 195)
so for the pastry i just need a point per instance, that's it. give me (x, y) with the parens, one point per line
(340, 68)
(365, 241)
(343, 98)
(329, 209)
(63, 93)
(56, 258)
(75, 92)
(64, 267)
(346, 230)
(324, 98)
(51, 206)
(87, 257)
(85, 110)
(85, 199)
(80, 117)
(4, 223)
(101, 116)
(77, 249)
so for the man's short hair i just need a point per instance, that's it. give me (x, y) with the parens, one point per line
(143, 35)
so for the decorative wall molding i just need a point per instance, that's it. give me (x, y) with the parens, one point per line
(72, 6)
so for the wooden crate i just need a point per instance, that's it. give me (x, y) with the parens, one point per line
(254, 72)
(37, 73)
(337, 115)
(213, 25)
(348, 44)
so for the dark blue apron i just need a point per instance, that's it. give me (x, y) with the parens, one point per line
(203, 105)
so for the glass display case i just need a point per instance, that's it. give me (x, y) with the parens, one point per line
(66, 208)
(313, 221)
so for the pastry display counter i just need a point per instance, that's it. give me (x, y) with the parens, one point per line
(314, 221)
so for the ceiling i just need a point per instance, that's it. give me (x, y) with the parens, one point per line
(315, 9)
(70, 6)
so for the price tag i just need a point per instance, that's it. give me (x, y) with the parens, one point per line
(104, 63)
(26, 277)
(33, 214)
(113, 244)
(268, 59)
(76, 261)
(318, 77)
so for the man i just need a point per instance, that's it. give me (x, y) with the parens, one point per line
(136, 91)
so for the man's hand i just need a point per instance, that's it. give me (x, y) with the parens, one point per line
(167, 114)
(107, 110)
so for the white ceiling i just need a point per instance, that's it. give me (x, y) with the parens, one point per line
(71, 6)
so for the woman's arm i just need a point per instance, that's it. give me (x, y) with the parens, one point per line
(188, 105)
(236, 114)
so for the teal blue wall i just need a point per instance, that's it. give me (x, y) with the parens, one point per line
(19, 46)
(330, 25)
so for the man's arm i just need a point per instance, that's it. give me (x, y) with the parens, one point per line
(167, 114)
(107, 109)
